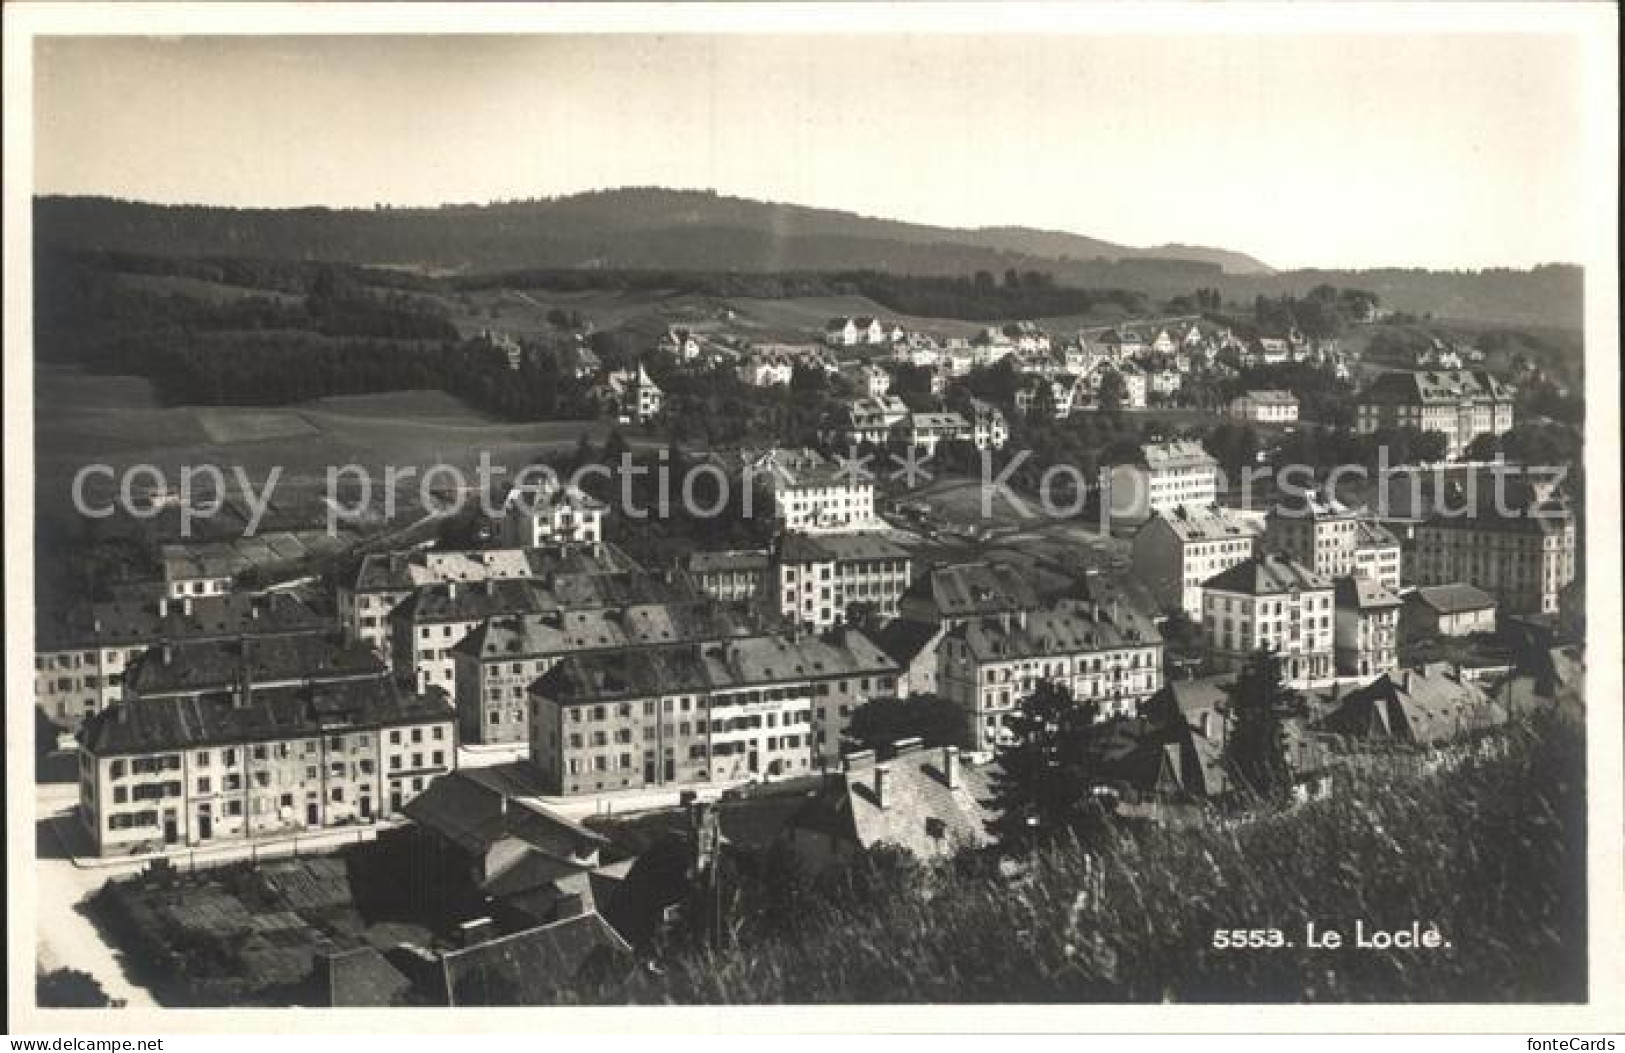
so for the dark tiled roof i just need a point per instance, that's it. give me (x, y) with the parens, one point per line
(465, 810)
(1363, 594)
(530, 967)
(904, 638)
(1455, 598)
(362, 978)
(921, 812)
(1069, 627)
(121, 623)
(731, 664)
(1425, 707)
(1266, 575)
(572, 632)
(149, 725)
(732, 560)
(973, 589)
(211, 665)
(801, 548)
(1435, 386)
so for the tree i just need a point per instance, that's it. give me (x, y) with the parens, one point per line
(69, 989)
(1258, 705)
(1044, 785)
(1113, 390)
(1483, 448)
(880, 722)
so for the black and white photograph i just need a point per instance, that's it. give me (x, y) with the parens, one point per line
(937, 517)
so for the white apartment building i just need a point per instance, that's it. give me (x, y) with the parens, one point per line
(1265, 407)
(1324, 535)
(1176, 551)
(193, 771)
(551, 513)
(1365, 632)
(1160, 478)
(822, 580)
(1108, 653)
(1270, 602)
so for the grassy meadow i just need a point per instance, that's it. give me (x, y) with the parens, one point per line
(1491, 853)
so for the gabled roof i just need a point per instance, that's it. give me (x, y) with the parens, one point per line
(1192, 524)
(727, 665)
(582, 631)
(1166, 456)
(531, 967)
(1436, 386)
(474, 815)
(151, 725)
(804, 548)
(1271, 397)
(213, 665)
(1067, 628)
(971, 589)
(1430, 706)
(904, 638)
(1455, 598)
(361, 978)
(1269, 574)
(920, 811)
(1364, 594)
(121, 623)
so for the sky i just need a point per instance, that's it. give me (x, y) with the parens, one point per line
(1453, 151)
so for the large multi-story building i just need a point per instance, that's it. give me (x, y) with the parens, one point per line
(385, 580)
(927, 431)
(1365, 627)
(1176, 551)
(197, 571)
(1332, 540)
(1462, 404)
(989, 429)
(437, 617)
(1272, 603)
(1107, 652)
(701, 713)
(808, 494)
(733, 576)
(953, 595)
(256, 761)
(1265, 407)
(80, 660)
(1159, 478)
(496, 663)
(1523, 559)
(826, 580)
(551, 513)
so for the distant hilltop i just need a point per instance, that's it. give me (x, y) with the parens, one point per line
(634, 228)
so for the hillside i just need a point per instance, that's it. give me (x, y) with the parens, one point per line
(626, 229)
(1491, 852)
(688, 231)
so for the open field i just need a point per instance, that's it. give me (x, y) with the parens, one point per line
(83, 420)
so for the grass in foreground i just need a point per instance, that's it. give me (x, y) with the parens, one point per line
(1492, 853)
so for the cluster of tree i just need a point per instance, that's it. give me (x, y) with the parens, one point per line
(1203, 300)
(1322, 397)
(1537, 443)
(984, 297)
(1325, 311)
(650, 517)
(881, 722)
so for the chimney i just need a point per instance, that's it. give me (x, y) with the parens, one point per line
(851, 760)
(882, 776)
(950, 766)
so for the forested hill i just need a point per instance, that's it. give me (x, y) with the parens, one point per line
(648, 229)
